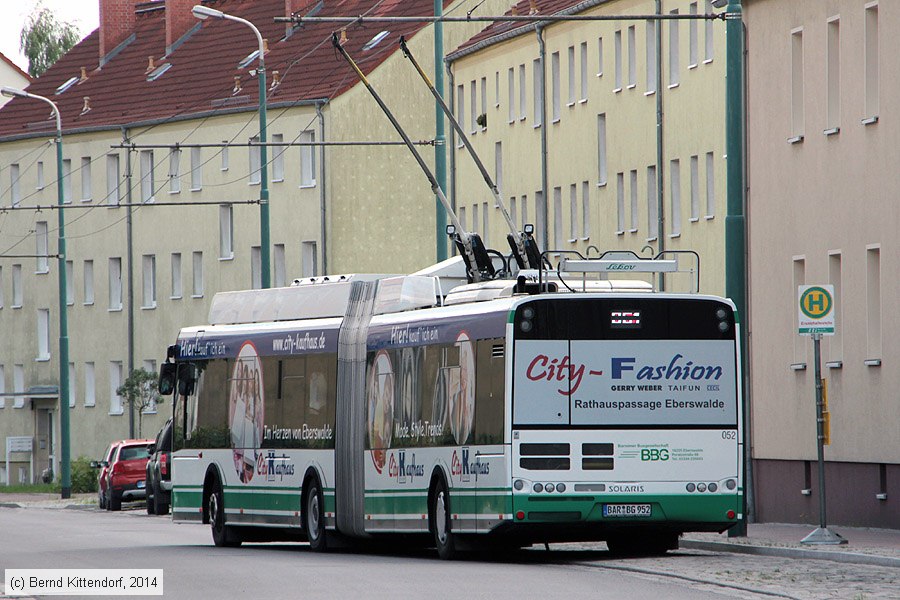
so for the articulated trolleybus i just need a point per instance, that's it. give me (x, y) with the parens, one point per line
(562, 405)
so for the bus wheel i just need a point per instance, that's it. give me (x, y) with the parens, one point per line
(444, 539)
(314, 515)
(222, 534)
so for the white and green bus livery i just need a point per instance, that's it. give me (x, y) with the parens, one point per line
(369, 408)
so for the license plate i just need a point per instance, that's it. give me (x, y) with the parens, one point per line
(140, 484)
(626, 510)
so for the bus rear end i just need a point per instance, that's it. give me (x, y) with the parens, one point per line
(626, 419)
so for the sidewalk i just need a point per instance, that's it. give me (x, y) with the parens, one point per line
(877, 547)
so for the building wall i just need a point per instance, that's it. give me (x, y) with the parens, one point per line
(693, 125)
(822, 210)
(11, 76)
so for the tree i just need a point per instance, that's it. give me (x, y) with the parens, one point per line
(140, 392)
(44, 39)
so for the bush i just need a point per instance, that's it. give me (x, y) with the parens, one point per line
(84, 478)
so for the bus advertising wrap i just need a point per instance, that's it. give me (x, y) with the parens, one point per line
(638, 383)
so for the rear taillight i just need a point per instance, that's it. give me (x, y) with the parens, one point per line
(116, 469)
(164, 463)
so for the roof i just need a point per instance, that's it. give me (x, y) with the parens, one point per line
(204, 64)
(500, 31)
(15, 67)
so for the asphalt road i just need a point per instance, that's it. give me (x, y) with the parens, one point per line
(39, 538)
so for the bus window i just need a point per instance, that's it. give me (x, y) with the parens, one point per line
(489, 392)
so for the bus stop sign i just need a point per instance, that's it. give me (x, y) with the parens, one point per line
(815, 305)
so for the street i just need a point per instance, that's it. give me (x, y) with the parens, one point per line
(89, 538)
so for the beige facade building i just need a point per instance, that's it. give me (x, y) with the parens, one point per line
(11, 76)
(823, 209)
(152, 77)
(607, 135)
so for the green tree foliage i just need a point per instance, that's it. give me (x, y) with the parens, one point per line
(139, 390)
(44, 39)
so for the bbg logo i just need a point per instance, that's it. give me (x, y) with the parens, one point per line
(654, 454)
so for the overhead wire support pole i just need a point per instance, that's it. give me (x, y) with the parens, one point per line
(517, 240)
(464, 237)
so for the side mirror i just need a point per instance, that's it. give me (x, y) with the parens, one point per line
(95, 464)
(167, 372)
(151, 449)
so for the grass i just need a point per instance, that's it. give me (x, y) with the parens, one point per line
(38, 488)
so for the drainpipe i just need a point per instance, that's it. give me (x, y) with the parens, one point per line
(322, 214)
(660, 179)
(545, 232)
(451, 143)
(129, 242)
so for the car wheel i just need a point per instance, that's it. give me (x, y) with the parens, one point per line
(161, 508)
(114, 502)
(101, 500)
(222, 534)
(444, 539)
(151, 505)
(314, 516)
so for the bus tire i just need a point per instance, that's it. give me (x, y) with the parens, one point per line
(314, 515)
(222, 534)
(439, 513)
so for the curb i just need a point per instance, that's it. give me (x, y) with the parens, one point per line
(801, 553)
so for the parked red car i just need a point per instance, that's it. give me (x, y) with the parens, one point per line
(122, 473)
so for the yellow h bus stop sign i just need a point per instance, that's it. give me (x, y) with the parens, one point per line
(815, 305)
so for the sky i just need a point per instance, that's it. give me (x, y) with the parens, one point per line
(83, 14)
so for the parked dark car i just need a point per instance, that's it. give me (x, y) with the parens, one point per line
(122, 474)
(159, 472)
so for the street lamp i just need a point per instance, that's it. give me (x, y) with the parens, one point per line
(203, 12)
(63, 319)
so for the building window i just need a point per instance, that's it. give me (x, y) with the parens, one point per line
(675, 195)
(460, 110)
(67, 180)
(255, 268)
(617, 42)
(226, 232)
(674, 55)
(308, 159)
(652, 63)
(601, 149)
(693, 51)
(540, 216)
(833, 76)
(40, 175)
(573, 212)
(871, 49)
(149, 288)
(175, 172)
(513, 214)
(585, 210)
(116, 378)
(17, 286)
(695, 188)
(150, 366)
(224, 156)
(511, 92)
(147, 182)
(19, 386)
(308, 259)
(1, 286)
(584, 71)
(485, 222)
(710, 186)
(2, 387)
(278, 159)
(538, 75)
(524, 206)
(633, 199)
(88, 282)
(498, 165)
(462, 217)
(42, 249)
(70, 283)
(255, 161)
(797, 84)
(599, 57)
(176, 276)
(86, 179)
(483, 103)
(473, 108)
(523, 94)
(572, 81)
(557, 218)
(197, 280)
(873, 302)
(632, 57)
(115, 283)
(90, 388)
(71, 385)
(496, 89)
(196, 169)
(280, 272)
(652, 204)
(620, 202)
(554, 86)
(112, 179)
(43, 333)
(799, 276)
(835, 342)
(708, 34)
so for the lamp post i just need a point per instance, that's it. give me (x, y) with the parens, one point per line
(66, 484)
(204, 12)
